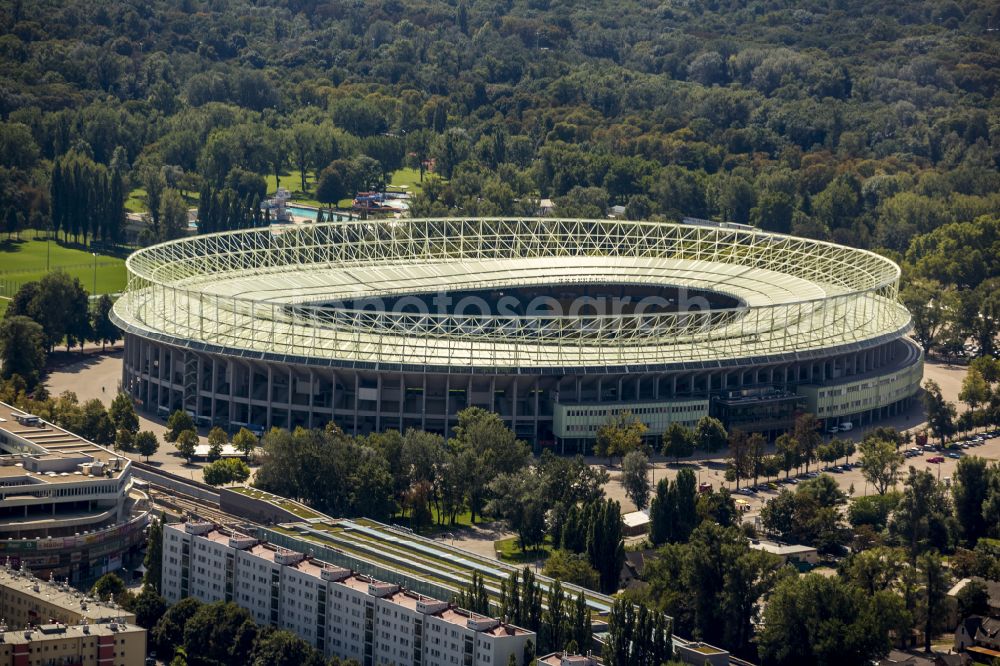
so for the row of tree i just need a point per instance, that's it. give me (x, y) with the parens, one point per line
(88, 199)
(54, 310)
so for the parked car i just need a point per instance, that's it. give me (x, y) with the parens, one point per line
(935, 459)
(953, 454)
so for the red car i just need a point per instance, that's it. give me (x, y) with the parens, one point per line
(936, 459)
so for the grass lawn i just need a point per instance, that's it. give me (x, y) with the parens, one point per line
(25, 260)
(291, 180)
(136, 201)
(408, 177)
(509, 550)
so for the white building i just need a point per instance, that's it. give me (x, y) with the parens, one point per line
(340, 612)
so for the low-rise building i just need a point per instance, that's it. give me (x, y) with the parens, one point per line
(635, 523)
(789, 553)
(26, 600)
(113, 644)
(337, 610)
(47, 623)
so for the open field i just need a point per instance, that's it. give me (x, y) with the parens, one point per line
(136, 201)
(26, 260)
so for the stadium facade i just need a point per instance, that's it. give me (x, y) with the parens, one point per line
(552, 323)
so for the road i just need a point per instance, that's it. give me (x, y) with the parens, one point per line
(98, 375)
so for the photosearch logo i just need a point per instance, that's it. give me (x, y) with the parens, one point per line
(525, 312)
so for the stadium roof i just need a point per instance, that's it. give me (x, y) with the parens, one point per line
(266, 293)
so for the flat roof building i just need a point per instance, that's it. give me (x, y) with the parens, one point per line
(104, 644)
(45, 623)
(335, 609)
(788, 552)
(67, 505)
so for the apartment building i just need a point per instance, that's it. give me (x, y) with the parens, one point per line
(110, 644)
(340, 612)
(46, 623)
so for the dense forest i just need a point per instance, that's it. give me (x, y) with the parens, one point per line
(871, 124)
(865, 123)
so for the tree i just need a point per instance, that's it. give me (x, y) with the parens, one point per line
(554, 625)
(810, 515)
(168, 633)
(788, 449)
(710, 434)
(619, 434)
(673, 513)
(975, 391)
(104, 330)
(678, 441)
(186, 443)
(929, 304)
(517, 503)
(923, 518)
(279, 647)
(497, 449)
(178, 422)
(940, 412)
(970, 489)
(94, 423)
(149, 607)
(226, 470)
(173, 217)
(740, 466)
(60, 304)
(153, 560)
(572, 568)
(581, 623)
(973, 599)
(880, 463)
(335, 182)
(807, 434)
(122, 413)
(605, 545)
(22, 349)
(813, 619)
(217, 438)
(635, 478)
(108, 587)
(935, 595)
(474, 597)
(245, 442)
(146, 443)
(221, 633)
(663, 513)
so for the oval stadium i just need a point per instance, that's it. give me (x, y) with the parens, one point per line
(552, 323)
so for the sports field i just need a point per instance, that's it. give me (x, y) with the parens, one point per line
(27, 260)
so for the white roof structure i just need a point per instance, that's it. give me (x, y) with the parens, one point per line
(264, 295)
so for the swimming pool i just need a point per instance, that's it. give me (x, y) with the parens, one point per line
(300, 211)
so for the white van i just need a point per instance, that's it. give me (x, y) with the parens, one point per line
(844, 427)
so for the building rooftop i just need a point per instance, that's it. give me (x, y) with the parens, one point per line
(38, 452)
(562, 659)
(61, 595)
(636, 518)
(58, 630)
(390, 592)
(781, 548)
